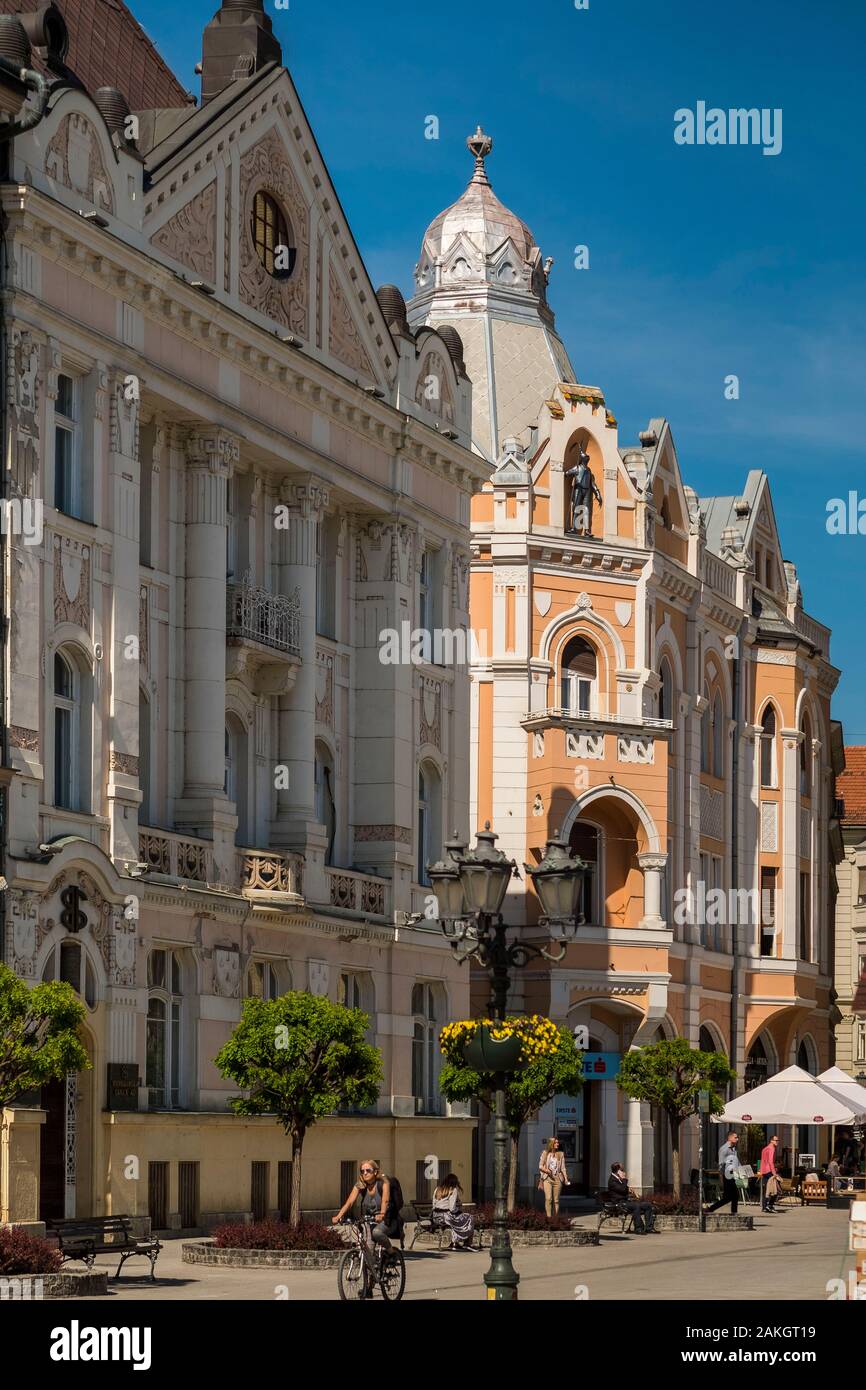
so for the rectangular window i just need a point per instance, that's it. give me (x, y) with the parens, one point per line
(284, 1188)
(768, 912)
(67, 460)
(63, 759)
(259, 1181)
(861, 886)
(861, 1040)
(157, 1195)
(805, 917)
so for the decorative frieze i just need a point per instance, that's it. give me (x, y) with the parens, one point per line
(266, 168)
(635, 750)
(430, 727)
(71, 582)
(28, 739)
(124, 762)
(585, 746)
(74, 159)
(370, 834)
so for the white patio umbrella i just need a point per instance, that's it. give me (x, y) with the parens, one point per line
(843, 1085)
(792, 1097)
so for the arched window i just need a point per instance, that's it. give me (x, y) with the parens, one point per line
(806, 757)
(272, 239)
(429, 819)
(145, 810)
(163, 1047)
(237, 777)
(326, 805)
(425, 1048)
(69, 963)
(579, 677)
(718, 737)
(768, 748)
(67, 727)
(263, 980)
(707, 733)
(666, 690)
(585, 842)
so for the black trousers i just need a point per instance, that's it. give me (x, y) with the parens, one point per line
(765, 1178)
(730, 1193)
(642, 1212)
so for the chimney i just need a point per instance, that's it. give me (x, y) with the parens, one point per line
(237, 43)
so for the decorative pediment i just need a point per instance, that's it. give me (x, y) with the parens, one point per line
(344, 340)
(266, 168)
(190, 235)
(74, 159)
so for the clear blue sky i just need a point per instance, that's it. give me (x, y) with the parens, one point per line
(704, 261)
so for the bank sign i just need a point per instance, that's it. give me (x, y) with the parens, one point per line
(600, 1066)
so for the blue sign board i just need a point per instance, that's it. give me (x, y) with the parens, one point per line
(600, 1066)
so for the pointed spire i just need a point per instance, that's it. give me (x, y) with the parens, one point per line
(480, 145)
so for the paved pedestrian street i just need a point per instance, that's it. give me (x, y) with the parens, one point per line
(791, 1256)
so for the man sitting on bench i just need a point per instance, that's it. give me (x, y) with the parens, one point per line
(642, 1213)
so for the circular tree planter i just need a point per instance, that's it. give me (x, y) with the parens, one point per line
(205, 1252)
(481, 1239)
(32, 1288)
(483, 1052)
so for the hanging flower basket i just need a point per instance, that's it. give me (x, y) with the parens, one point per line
(484, 1052)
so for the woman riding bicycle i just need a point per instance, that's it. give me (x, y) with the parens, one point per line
(375, 1192)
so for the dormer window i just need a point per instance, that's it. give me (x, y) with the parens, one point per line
(272, 238)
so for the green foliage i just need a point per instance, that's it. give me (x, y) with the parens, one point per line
(39, 1039)
(300, 1058)
(557, 1072)
(670, 1075)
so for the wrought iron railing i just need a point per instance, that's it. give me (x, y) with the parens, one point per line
(260, 616)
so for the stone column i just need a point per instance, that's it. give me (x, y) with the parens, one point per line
(211, 456)
(123, 791)
(653, 866)
(303, 505)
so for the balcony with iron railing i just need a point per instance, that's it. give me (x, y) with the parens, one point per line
(263, 636)
(559, 717)
(263, 876)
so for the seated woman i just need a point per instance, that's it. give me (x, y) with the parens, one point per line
(448, 1210)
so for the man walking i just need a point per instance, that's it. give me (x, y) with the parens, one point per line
(729, 1162)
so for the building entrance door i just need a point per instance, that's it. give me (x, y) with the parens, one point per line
(52, 1153)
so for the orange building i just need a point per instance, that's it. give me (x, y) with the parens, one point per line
(652, 687)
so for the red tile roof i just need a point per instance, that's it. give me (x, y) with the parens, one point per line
(109, 48)
(851, 786)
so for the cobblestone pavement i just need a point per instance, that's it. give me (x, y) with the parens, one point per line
(790, 1256)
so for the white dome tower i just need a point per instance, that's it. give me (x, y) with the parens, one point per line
(481, 272)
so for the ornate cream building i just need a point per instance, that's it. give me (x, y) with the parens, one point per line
(850, 952)
(251, 468)
(654, 688)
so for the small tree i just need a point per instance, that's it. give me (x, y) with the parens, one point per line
(39, 1039)
(300, 1058)
(670, 1075)
(554, 1067)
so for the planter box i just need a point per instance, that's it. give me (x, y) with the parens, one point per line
(482, 1239)
(714, 1222)
(32, 1288)
(204, 1252)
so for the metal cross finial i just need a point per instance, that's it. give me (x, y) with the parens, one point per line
(480, 145)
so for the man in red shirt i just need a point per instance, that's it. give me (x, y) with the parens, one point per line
(768, 1170)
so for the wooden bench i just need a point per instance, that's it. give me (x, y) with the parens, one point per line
(85, 1238)
(814, 1192)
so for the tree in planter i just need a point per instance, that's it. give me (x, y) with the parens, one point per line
(670, 1075)
(39, 1039)
(552, 1066)
(300, 1058)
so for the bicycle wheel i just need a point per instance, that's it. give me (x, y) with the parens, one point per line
(352, 1276)
(392, 1280)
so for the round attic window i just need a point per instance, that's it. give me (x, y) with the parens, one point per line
(272, 237)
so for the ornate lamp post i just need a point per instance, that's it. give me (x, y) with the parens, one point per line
(470, 887)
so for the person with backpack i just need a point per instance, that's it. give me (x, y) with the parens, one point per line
(381, 1201)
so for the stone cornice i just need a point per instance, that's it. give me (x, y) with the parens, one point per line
(167, 299)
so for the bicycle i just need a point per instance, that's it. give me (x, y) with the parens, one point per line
(368, 1264)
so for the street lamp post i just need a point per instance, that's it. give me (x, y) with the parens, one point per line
(470, 888)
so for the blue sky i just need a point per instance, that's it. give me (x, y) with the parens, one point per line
(705, 261)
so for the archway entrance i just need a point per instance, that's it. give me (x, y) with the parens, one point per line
(65, 1153)
(52, 1153)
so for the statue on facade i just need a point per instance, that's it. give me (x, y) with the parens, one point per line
(583, 491)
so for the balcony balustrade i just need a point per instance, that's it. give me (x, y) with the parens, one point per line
(263, 637)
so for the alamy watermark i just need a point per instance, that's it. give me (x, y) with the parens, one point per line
(737, 126)
(438, 646)
(724, 907)
(22, 518)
